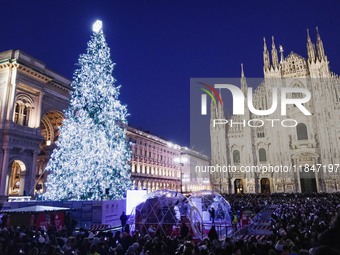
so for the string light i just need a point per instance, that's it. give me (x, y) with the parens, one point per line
(92, 154)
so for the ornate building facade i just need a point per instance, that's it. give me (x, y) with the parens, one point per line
(309, 152)
(153, 162)
(193, 179)
(159, 164)
(32, 101)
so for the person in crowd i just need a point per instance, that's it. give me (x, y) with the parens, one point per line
(331, 236)
(301, 224)
(184, 230)
(213, 234)
(123, 219)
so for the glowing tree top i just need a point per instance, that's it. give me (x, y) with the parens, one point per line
(91, 161)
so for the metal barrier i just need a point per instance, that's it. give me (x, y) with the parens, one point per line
(260, 225)
(223, 229)
(249, 229)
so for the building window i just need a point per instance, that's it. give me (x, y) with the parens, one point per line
(262, 155)
(297, 95)
(236, 157)
(301, 130)
(17, 112)
(21, 114)
(14, 186)
(260, 132)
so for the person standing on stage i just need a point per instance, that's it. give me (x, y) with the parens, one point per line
(123, 218)
(212, 215)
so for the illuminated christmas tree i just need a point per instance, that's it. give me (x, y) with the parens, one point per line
(91, 161)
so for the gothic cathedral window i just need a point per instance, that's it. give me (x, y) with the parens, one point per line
(301, 131)
(262, 155)
(236, 157)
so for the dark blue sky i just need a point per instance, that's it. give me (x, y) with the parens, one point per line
(159, 45)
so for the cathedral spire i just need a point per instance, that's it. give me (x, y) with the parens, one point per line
(266, 60)
(281, 53)
(275, 59)
(242, 72)
(310, 48)
(244, 85)
(319, 46)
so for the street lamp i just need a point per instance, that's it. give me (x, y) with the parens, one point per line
(335, 183)
(181, 160)
(220, 185)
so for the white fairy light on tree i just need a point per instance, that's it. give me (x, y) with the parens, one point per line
(92, 154)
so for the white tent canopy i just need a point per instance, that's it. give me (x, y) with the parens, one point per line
(164, 211)
(35, 209)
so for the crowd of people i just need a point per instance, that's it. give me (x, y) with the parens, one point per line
(301, 224)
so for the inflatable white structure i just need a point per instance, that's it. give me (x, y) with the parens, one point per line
(208, 201)
(163, 211)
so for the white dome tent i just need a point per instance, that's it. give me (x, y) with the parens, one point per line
(163, 211)
(204, 201)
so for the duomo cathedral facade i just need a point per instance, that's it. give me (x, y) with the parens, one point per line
(309, 151)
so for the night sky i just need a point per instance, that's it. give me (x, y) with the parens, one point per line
(159, 45)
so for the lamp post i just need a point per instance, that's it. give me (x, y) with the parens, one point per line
(181, 160)
(335, 183)
(335, 178)
(220, 185)
(182, 179)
